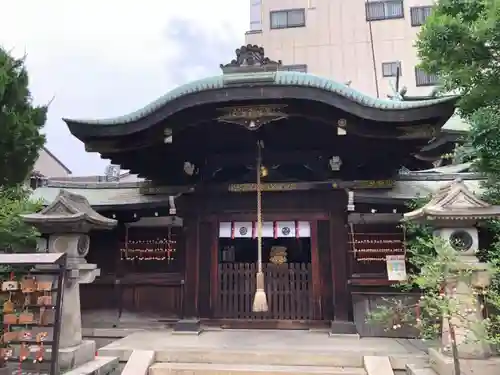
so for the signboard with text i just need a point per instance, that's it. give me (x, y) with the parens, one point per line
(396, 267)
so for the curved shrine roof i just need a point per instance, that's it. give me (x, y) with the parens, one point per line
(281, 78)
(275, 79)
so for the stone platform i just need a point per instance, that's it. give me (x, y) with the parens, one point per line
(264, 351)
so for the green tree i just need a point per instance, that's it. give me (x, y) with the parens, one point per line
(460, 42)
(484, 138)
(20, 143)
(21, 122)
(15, 235)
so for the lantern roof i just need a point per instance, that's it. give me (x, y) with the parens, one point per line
(454, 201)
(68, 212)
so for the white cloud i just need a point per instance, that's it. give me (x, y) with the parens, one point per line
(101, 58)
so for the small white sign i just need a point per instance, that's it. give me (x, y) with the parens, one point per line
(396, 267)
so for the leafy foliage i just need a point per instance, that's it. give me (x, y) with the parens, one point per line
(439, 276)
(434, 263)
(419, 243)
(485, 142)
(460, 42)
(20, 143)
(20, 122)
(15, 235)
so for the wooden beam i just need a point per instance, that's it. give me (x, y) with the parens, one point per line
(361, 218)
(150, 189)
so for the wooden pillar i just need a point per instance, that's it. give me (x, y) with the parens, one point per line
(339, 249)
(316, 272)
(339, 258)
(191, 228)
(207, 237)
(325, 265)
(339, 237)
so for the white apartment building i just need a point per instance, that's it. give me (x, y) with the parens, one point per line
(358, 41)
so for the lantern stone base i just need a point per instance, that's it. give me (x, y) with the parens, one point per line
(75, 356)
(443, 364)
(469, 328)
(188, 327)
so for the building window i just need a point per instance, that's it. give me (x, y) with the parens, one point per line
(424, 79)
(295, 68)
(390, 69)
(384, 10)
(283, 19)
(419, 15)
(255, 15)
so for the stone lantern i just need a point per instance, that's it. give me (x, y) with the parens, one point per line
(454, 212)
(67, 221)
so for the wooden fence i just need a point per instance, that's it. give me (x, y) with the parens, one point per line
(288, 288)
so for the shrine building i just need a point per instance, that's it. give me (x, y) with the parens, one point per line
(334, 167)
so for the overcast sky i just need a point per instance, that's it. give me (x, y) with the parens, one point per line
(101, 58)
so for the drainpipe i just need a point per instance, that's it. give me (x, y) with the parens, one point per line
(374, 61)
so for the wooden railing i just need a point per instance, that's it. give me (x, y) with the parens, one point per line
(288, 288)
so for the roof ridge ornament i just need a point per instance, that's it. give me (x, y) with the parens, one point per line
(249, 59)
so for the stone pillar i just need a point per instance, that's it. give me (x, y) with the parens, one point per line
(71, 326)
(76, 246)
(469, 328)
(468, 324)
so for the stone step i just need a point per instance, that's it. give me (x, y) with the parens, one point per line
(235, 369)
(378, 365)
(264, 348)
(338, 358)
(418, 370)
(262, 357)
(98, 366)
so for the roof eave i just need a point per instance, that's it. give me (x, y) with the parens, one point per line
(156, 111)
(431, 215)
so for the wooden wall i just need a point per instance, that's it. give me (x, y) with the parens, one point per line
(119, 286)
(192, 291)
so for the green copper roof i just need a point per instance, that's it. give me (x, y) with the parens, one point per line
(102, 195)
(279, 78)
